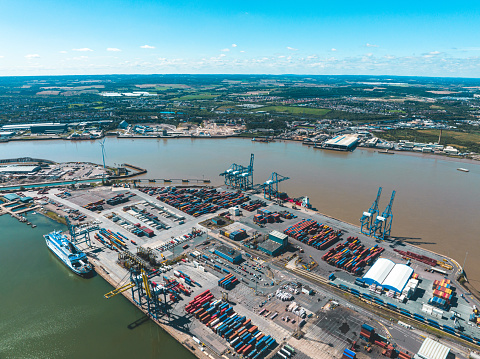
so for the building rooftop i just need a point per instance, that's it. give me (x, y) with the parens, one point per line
(270, 245)
(342, 141)
(18, 169)
(228, 251)
(278, 234)
(431, 349)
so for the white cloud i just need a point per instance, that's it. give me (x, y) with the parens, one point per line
(32, 56)
(281, 56)
(432, 54)
(234, 45)
(62, 52)
(242, 51)
(1, 56)
(222, 55)
(292, 48)
(311, 57)
(225, 50)
(147, 47)
(370, 45)
(113, 49)
(389, 57)
(333, 49)
(83, 49)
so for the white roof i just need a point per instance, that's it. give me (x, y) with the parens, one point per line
(398, 277)
(431, 349)
(278, 234)
(379, 271)
(342, 140)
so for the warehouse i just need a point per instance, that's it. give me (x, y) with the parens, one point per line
(378, 272)
(11, 197)
(342, 142)
(431, 349)
(19, 169)
(275, 244)
(397, 278)
(38, 127)
(389, 275)
(229, 254)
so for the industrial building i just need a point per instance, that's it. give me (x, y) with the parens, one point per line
(342, 143)
(18, 169)
(229, 254)
(431, 349)
(11, 197)
(38, 127)
(389, 275)
(275, 244)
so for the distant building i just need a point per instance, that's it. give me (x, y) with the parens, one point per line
(342, 142)
(11, 197)
(38, 127)
(123, 125)
(18, 169)
(5, 135)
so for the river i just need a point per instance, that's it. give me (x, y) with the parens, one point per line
(436, 206)
(47, 311)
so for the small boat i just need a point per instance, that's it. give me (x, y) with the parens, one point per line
(463, 169)
(386, 152)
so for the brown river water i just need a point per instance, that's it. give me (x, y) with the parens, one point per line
(436, 206)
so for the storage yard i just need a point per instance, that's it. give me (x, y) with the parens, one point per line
(271, 281)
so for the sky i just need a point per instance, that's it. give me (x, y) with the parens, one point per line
(406, 38)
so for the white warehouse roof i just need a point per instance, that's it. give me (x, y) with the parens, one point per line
(379, 271)
(342, 141)
(389, 275)
(398, 278)
(431, 349)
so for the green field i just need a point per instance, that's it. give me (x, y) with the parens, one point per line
(205, 96)
(294, 110)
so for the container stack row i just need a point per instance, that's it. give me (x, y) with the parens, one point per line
(228, 282)
(114, 239)
(243, 336)
(349, 354)
(253, 205)
(352, 255)
(196, 202)
(421, 258)
(237, 235)
(301, 229)
(119, 198)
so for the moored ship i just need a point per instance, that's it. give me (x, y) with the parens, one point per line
(68, 253)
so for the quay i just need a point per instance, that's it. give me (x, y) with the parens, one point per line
(186, 243)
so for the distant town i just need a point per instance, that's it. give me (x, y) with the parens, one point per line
(425, 115)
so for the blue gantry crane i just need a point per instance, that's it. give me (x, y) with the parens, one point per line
(270, 187)
(368, 217)
(383, 224)
(81, 236)
(239, 176)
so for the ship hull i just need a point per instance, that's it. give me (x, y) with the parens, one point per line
(64, 259)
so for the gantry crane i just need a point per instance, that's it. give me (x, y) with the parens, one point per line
(383, 223)
(81, 236)
(145, 291)
(240, 177)
(270, 187)
(368, 217)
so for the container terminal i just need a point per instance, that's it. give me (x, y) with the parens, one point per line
(243, 270)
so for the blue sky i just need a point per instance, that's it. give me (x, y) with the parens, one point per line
(419, 38)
